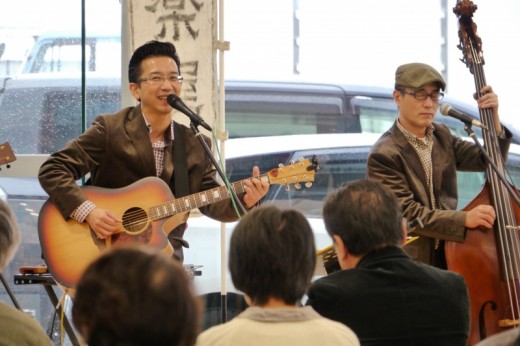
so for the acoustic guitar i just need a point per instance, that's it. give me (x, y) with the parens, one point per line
(149, 212)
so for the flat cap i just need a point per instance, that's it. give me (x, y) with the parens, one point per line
(416, 75)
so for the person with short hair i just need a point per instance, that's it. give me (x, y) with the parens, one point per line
(385, 296)
(132, 295)
(418, 159)
(16, 327)
(272, 258)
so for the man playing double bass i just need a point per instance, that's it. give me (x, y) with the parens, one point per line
(418, 158)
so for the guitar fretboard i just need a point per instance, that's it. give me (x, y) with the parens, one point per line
(198, 200)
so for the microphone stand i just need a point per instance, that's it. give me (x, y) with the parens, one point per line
(471, 133)
(197, 133)
(194, 128)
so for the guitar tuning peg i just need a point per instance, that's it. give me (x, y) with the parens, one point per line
(286, 187)
(308, 184)
(297, 186)
(292, 162)
(280, 165)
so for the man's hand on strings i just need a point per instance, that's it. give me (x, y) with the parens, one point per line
(480, 216)
(255, 189)
(103, 222)
(489, 100)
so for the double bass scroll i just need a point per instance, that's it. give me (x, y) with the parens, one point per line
(489, 260)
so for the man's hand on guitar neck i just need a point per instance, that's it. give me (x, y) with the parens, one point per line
(103, 222)
(255, 189)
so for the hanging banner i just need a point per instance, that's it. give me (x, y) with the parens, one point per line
(191, 26)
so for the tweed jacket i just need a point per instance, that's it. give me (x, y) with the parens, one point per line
(390, 299)
(116, 151)
(395, 163)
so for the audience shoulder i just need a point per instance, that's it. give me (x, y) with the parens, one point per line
(30, 331)
(338, 334)
(219, 335)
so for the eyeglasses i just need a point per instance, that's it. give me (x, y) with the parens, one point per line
(157, 80)
(423, 95)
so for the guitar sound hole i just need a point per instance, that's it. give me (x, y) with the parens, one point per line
(135, 220)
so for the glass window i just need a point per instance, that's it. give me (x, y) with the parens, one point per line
(271, 114)
(60, 52)
(41, 110)
(38, 118)
(471, 183)
(63, 58)
(375, 114)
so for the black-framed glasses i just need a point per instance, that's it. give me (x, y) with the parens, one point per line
(158, 80)
(422, 95)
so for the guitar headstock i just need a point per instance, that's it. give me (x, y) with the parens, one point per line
(297, 172)
(6, 154)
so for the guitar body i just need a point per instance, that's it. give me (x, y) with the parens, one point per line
(69, 247)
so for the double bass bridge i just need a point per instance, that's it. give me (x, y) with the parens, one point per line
(508, 323)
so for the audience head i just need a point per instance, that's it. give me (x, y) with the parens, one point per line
(9, 235)
(365, 215)
(134, 296)
(272, 255)
(147, 50)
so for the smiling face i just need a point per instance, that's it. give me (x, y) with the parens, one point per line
(153, 96)
(416, 115)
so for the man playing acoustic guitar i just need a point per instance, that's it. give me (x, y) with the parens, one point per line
(137, 142)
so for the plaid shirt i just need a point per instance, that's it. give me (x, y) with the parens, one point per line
(423, 147)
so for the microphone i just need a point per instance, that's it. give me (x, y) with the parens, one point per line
(176, 102)
(448, 110)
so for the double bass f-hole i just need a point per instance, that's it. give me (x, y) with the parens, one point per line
(489, 260)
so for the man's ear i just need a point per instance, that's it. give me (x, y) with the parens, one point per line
(345, 258)
(397, 97)
(135, 91)
(341, 249)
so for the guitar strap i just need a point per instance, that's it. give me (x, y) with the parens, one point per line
(182, 188)
(180, 163)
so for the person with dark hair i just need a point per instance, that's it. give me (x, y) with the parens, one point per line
(16, 327)
(132, 295)
(137, 142)
(385, 296)
(272, 258)
(418, 159)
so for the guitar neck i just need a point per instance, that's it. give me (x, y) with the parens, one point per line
(198, 200)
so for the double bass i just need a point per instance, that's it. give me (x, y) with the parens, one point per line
(489, 260)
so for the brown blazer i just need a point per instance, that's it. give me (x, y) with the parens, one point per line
(394, 162)
(116, 151)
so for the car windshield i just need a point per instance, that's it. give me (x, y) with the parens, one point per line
(339, 165)
(336, 166)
